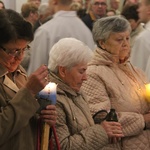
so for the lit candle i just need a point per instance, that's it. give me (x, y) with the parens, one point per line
(49, 92)
(147, 94)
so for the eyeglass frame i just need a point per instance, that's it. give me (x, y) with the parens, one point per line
(16, 52)
(100, 3)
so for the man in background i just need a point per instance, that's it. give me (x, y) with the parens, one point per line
(44, 15)
(97, 10)
(65, 23)
(141, 49)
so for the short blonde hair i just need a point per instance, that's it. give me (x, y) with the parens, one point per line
(27, 8)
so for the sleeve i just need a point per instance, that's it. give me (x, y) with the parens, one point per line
(40, 50)
(92, 137)
(16, 114)
(132, 123)
(95, 90)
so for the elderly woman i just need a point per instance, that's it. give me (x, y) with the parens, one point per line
(114, 83)
(75, 126)
(18, 105)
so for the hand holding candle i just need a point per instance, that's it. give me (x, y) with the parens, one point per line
(48, 97)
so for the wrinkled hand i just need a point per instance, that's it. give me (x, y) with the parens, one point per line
(147, 119)
(113, 130)
(49, 115)
(37, 81)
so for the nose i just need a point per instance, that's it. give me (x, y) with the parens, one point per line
(126, 42)
(20, 56)
(84, 76)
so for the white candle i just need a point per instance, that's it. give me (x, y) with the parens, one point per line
(49, 92)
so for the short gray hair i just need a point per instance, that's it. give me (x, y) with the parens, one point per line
(68, 52)
(105, 26)
(43, 8)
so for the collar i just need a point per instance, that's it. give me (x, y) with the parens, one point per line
(93, 17)
(65, 13)
(7, 82)
(102, 57)
(10, 84)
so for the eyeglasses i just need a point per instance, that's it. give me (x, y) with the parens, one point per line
(15, 52)
(100, 3)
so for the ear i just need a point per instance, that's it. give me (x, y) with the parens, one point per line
(62, 71)
(102, 44)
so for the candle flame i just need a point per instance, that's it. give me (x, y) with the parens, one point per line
(147, 94)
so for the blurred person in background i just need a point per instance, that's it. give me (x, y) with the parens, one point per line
(114, 4)
(130, 12)
(130, 2)
(18, 104)
(64, 23)
(110, 12)
(29, 11)
(45, 14)
(2, 5)
(36, 2)
(97, 9)
(141, 49)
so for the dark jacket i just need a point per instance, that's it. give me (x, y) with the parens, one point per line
(89, 20)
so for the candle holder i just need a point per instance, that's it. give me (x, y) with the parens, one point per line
(46, 97)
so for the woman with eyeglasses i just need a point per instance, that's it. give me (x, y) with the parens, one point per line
(18, 105)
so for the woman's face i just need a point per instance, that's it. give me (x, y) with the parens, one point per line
(75, 76)
(11, 54)
(118, 44)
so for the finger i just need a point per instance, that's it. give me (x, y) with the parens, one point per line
(48, 113)
(41, 69)
(50, 122)
(51, 107)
